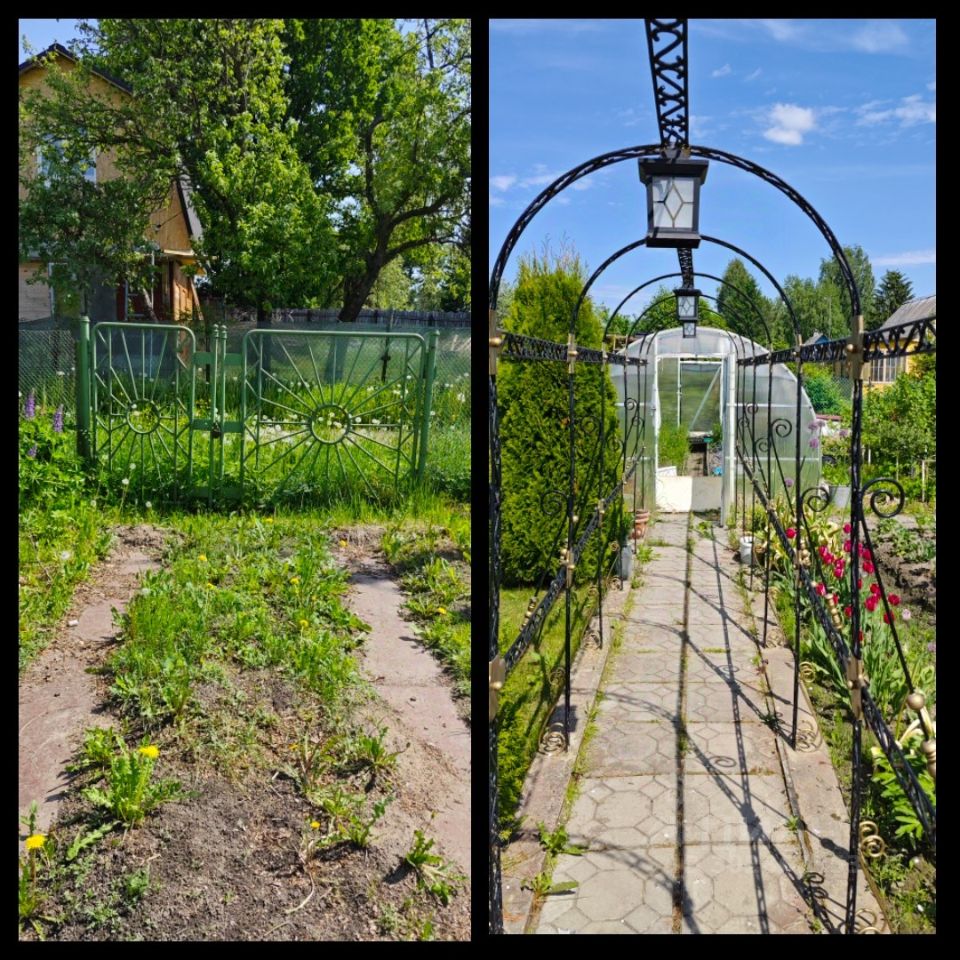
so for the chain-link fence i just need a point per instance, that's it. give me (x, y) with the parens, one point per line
(47, 364)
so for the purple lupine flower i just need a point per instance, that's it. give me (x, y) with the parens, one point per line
(32, 452)
(58, 420)
(30, 407)
(813, 425)
(844, 433)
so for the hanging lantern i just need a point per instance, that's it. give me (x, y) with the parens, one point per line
(673, 201)
(688, 310)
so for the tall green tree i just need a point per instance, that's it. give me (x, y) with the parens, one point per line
(382, 119)
(741, 303)
(894, 291)
(207, 105)
(833, 287)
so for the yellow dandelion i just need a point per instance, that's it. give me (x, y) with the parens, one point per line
(36, 841)
(304, 624)
(268, 520)
(293, 746)
(314, 824)
(149, 751)
(294, 579)
(202, 558)
(211, 585)
(441, 610)
(343, 543)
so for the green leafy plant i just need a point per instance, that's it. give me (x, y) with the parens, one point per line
(131, 793)
(558, 841)
(897, 815)
(543, 886)
(434, 874)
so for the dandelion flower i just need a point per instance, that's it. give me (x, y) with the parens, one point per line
(268, 520)
(35, 841)
(125, 482)
(314, 824)
(148, 505)
(66, 555)
(202, 558)
(150, 751)
(294, 580)
(304, 624)
(343, 543)
(212, 586)
(441, 610)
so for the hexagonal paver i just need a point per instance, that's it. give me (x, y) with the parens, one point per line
(647, 637)
(646, 702)
(735, 808)
(632, 748)
(625, 813)
(724, 747)
(657, 666)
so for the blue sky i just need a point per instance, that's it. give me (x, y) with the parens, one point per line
(41, 33)
(843, 110)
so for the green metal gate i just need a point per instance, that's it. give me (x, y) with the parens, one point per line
(293, 414)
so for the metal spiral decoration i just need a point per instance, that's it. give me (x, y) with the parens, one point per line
(815, 500)
(880, 498)
(872, 845)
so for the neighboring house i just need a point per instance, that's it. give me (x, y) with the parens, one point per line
(173, 230)
(884, 370)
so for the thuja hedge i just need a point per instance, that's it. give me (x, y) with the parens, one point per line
(535, 428)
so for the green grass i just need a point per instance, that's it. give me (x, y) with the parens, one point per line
(532, 688)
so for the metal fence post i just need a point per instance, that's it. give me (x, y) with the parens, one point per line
(84, 436)
(427, 401)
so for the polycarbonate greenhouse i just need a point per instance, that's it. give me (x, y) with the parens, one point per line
(696, 384)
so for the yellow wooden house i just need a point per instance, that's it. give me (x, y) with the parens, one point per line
(885, 369)
(173, 229)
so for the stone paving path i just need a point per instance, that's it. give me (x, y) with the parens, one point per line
(683, 804)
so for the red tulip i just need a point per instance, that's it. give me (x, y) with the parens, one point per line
(838, 571)
(822, 589)
(846, 546)
(888, 618)
(848, 611)
(871, 602)
(894, 600)
(791, 533)
(868, 567)
(867, 555)
(874, 589)
(846, 528)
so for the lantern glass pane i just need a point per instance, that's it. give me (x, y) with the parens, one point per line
(689, 329)
(686, 308)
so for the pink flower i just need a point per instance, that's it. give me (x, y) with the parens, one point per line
(838, 571)
(867, 555)
(894, 600)
(822, 589)
(906, 614)
(868, 567)
(836, 598)
(846, 528)
(846, 545)
(874, 589)
(871, 602)
(791, 533)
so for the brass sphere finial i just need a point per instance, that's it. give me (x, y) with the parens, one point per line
(916, 701)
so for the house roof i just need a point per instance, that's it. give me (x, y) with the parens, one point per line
(920, 308)
(815, 337)
(60, 49)
(189, 213)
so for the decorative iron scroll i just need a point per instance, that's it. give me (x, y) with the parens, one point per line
(521, 347)
(669, 79)
(685, 256)
(920, 336)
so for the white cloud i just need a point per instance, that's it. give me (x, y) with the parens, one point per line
(932, 85)
(562, 200)
(789, 124)
(503, 182)
(913, 110)
(495, 201)
(722, 71)
(698, 125)
(880, 36)
(753, 76)
(782, 29)
(909, 258)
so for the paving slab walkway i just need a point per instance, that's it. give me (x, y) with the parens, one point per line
(687, 806)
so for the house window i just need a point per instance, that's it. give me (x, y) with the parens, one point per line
(45, 164)
(887, 369)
